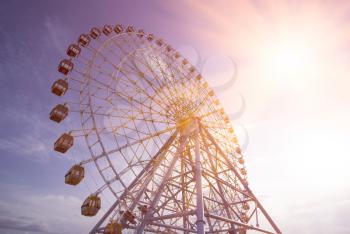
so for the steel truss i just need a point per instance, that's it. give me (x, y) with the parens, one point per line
(183, 196)
(158, 137)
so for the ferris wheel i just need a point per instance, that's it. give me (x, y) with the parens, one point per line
(158, 136)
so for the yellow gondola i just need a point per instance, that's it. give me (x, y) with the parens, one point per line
(245, 206)
(73, 50)
(243, 171)
(159, 42)
(84, 40)
(59, 87)
(65, 66)
(59, 113)
(130, 29)
(238, 150)
(244, 217)
(64, 143)
(95, 33)
(140, 33)
(113, 228)
(107, 29)
(150, 37)
(74, 175)
(118, 29)
(129, 216)
(91, 206)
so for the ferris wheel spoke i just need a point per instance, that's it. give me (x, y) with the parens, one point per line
(149, 168)
(153, 98)
(203, 103)
(136, 142)
(157, 79)
(132, 99)
(170, 86)
(150, 69)
(120, 69)
(176, 72)
(214, 124)
(82, 82)
(150, 82)
(142, 75)
(125, 97)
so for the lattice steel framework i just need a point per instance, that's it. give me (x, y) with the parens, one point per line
(158, 136)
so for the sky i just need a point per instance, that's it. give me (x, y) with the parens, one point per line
(280, 68)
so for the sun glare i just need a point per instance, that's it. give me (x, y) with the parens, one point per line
(290, 58)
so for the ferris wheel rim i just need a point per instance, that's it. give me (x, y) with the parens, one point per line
(177, 94)
(92, 155)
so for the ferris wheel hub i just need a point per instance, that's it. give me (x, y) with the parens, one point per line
(188, 126)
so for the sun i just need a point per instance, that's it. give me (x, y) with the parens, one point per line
(288, 58)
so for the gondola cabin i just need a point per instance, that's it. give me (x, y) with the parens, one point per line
(199, 77)
(184, 62)
(205, 85)
(95, 33)
(91, 206)
(64, 143)
(235, 140)
(143, 209)
(113, 228)
(244, 217)
(65, 66)
(230, 130)
(150, 37)
(192, 69)
(240, 230)
(140, 33)
(217, 102)
(129, 216)
(211, 93)
(130, 29)
(169, 48)
(84, 40)
(226, 120)
(177, 55)
(59, 87)
(241, 160)
(222, 111)
(73, 50)
(74, 175)
(238, 150)
(107, 30)
(245, 206)
(59, 113)
(243, 171)
(159, 42)
(118, 29)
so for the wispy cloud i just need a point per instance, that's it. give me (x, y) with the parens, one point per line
(25, 145)
(33, 136)
(28, 211)
(57, 32)
(21, 224)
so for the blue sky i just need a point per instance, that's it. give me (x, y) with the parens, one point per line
(34, 37)
(296, 118)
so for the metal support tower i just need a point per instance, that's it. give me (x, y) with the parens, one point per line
(196, 137)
